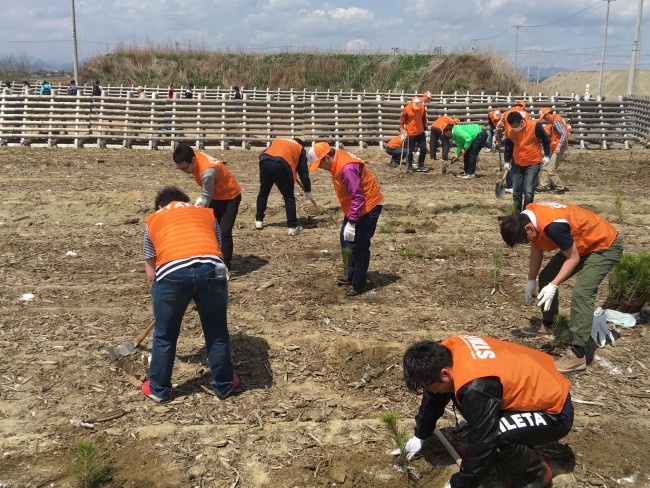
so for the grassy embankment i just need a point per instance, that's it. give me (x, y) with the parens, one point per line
(411, 72)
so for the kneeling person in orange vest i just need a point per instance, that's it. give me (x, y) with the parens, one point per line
(587, 244)
(397, 149)
(183, 262)
(280, 165)
(361, 201)
(508, 414)
(219, 190)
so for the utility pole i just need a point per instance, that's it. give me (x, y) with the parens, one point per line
(602, 58)
(516, 45)
(539, 68)
(75, 61)
(635, 50)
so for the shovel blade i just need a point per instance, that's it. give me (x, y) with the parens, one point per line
(125, 348)
(445, 167)
(500, 189)
(112, 353)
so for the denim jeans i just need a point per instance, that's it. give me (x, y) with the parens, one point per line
(276, 173)
(396, 152)
(524, 181)
(206, 284)
(471, 155)
(357, 268)
(225, 211)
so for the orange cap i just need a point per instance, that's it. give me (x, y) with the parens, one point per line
(543, 112)
(316, 153)
(520, 103)
(456, 121)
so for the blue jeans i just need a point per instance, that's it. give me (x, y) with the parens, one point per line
(360, 258)
(524, 181)
(396, 152)
(206, 284)
(471, 155)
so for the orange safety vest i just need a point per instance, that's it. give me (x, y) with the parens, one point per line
(494, 117)
(369, 185)
(553, 134)
(504, 117)
(287, 149)
(395, 142)
(225, 185)
(527, 148)
(180, 230)
(442, 122)
(414, 119)
(531, 383)
(590, 232)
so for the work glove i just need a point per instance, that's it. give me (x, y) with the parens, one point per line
(529, 294)
(309, 195)
(349, 231)
(412, 447)
(200, 202)
(546, 296)
(600, 332)
(545, 160)
(507, 165)
(448, 485)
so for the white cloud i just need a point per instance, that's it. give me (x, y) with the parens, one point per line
(357, 45)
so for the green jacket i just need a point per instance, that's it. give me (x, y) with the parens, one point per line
(464, 135)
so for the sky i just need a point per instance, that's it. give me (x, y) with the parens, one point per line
(561, 33)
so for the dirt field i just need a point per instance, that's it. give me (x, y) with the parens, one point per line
(317, 369)
(614, 83)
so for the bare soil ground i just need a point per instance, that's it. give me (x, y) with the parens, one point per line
(614, 83)
(317, 369)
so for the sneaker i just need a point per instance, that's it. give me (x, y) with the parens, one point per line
(466, 175)
(570, 363)
(542, 189)
(423, 169)
(409, 169)
(537, 474)
(536, 328)
(343, 280)
(146, 390)
(508, 190)
(232, 389)
(259, 224)
(559, 191)
(352, 292)
(294, 231)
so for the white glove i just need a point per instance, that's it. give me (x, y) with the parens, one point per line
(199, 202)
(403, 137)
(448, 485)
(349, 231)
(426, 134)
(506, 165)
(529, 294)
(600, 331)
(545, 160)
(309, 195)
(546, 296)
(412, 447)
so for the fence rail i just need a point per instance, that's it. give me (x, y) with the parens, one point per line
(359, 119)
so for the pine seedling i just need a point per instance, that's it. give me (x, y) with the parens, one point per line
(385, 229)
(560, 330)
(495, 272)
(87, 466)
(399, 437)
(618, 207)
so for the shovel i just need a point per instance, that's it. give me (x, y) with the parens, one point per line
(445, 166)
(500, 187)
(126, 348)
(316, 206)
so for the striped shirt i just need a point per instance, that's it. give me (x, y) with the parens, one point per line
(165, 269)
(559, 127)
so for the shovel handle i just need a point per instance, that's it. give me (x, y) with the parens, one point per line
(143, 335)
(447, 445)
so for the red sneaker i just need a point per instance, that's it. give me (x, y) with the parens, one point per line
(146, 390)
(235, 385)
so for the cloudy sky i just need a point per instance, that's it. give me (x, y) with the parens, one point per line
(565, 33)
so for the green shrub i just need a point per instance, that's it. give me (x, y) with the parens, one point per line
(87, 467)
(629, 280)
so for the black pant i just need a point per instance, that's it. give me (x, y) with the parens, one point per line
(435, 137)
(421, 142)
(225, 211)
(470, 156)
(357, 268)
(279, 174)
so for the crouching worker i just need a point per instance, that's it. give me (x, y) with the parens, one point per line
(511, 396)
(183, 262)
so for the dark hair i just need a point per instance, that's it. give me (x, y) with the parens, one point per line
(299, 141)
(513, 229)
(96, 82)
(170, 194)
(236, 88)
(514, 117)
(183, 154)
(423, 362)
(72, 82)
(448, 127)
(331, 153)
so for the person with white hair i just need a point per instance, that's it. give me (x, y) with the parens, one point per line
(413, 121)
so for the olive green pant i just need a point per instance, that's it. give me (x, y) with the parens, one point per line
(592, 270)
(548, 177)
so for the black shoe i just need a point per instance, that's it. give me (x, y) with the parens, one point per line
(559, 191)
(343, 280)
(352, 292)
(409, 169)
(423, 169)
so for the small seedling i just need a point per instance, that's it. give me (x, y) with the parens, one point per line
(385, 229)
(619, 209)
(413, 253)
(399, 437)
(495, 272)
(560, 330)
(613, 182)
(87, 467)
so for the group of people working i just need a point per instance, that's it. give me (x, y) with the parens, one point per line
(513, 398)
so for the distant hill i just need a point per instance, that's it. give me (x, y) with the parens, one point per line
(410, 72)
(614, 83)
(544, 72)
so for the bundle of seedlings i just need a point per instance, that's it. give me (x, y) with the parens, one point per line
(629, 283)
